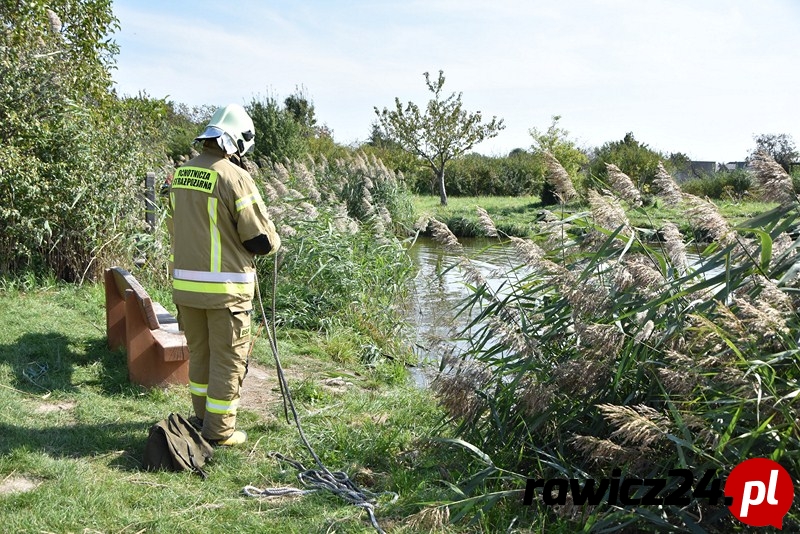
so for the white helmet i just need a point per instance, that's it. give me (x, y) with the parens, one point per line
(233, 128)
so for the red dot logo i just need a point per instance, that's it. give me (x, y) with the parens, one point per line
(759, 492)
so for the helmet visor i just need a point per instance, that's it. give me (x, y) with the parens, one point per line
(211, 132)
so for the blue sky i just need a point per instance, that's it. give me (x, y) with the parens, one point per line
(700, 77)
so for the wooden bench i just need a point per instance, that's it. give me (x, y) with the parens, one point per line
(157, 350)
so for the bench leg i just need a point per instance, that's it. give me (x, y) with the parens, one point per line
(115, 313)
(145, 365)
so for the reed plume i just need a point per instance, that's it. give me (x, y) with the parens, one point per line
(442, 235)
(432, 519)
(637, 425)
(704, 215)
(600, 450)
(533, 256)
(774, 183)
(608, 213)
(486, 223)
(666, 186)
(599, 340)
(536, 397)
(559, 178)
(675, 247)
(458, 389)
(622, 185)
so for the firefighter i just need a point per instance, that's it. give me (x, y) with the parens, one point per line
(219, 224)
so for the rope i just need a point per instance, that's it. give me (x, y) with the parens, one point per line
(336, 482)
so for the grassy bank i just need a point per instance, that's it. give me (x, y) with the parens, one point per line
(516, 216)
(73, 432)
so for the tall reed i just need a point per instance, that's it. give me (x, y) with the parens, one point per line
(611, 351)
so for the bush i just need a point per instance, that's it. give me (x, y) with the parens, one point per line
(475, 175)
(725, 185)
(72, 155)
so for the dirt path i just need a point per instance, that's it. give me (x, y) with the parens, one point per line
(260, 390)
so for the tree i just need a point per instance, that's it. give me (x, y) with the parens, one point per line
(633, 158)
(781, 147)
(279, 136)
(301, 108)
(443, 132)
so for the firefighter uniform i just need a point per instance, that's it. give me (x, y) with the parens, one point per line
(216, 208)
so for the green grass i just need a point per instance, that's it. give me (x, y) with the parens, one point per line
(516, 216)
(73, 425)
(512, 215)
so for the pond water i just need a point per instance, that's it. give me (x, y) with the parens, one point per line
(438, 292)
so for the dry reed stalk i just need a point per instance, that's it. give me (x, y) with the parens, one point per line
(431, 520)
(666, 186)
(768, 292)
(675, 247)
(774, 183)
(646, 279)
(704, 215)
(760, 317)
(535, 397)
(623, 186)
(579, 376)
(457, 389)
(637, 425)
(599, 340)
(559, 178)
(486, 223)
(442, 235)
(608, 213)
(600, 450)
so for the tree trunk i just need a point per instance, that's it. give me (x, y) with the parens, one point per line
(440, 180)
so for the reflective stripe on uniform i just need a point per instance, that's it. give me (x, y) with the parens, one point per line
(249, 200)
(221, 406)
(217, 288)
(205, 276)
(198, 389)
(216, 241)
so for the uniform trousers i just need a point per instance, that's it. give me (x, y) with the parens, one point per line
(219, 342)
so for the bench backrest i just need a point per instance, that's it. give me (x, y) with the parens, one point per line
(124, 280)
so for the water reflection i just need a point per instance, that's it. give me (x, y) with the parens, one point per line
(439, 289)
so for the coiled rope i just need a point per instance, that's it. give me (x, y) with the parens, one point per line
(312, 479)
